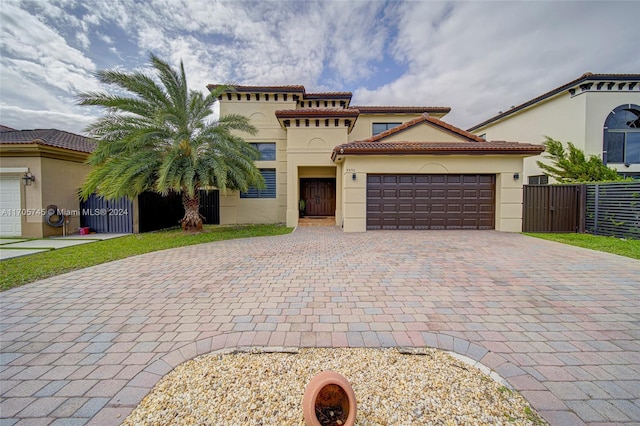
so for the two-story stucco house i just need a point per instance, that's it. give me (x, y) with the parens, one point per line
(598, 113)
(372, 167)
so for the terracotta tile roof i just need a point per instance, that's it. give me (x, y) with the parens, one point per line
(317, 112)
(373, 109)
(49, 137)
(6, 128)
(436, 148)
(424, 118)
(328, 95)
(261, 89)
(583, 78)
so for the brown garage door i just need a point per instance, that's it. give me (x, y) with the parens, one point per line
(430, 201)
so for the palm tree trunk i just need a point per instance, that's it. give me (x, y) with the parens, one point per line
(192, 220)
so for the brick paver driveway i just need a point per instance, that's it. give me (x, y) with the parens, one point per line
(561, 324)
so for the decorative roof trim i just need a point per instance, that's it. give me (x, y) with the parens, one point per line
(29, 149)
(436, 148)
(328, 95)
(317, 112)
(377, 109)
(577, 82)
(260, 89)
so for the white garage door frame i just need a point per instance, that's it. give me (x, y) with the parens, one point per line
(11, 201)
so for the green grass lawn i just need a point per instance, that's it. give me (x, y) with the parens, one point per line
(26, 269)
(622, 247)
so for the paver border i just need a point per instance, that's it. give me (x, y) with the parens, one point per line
(494, 365)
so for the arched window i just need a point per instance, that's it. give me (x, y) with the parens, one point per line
(622, 135)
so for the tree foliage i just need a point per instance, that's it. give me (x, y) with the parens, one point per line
(573, 166)
(159, 136)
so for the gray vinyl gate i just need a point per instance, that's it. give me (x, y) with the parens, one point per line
(613, 209)
(154, 212)
(107, 216)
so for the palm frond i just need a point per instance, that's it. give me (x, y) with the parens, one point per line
(156, 137)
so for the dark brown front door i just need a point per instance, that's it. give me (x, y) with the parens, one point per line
(430, 201)
(320, 195)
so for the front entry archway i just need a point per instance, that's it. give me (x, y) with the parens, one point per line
(319, 195)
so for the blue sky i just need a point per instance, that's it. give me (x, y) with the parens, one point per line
(476, 57)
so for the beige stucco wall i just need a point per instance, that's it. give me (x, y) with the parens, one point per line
(423, 132)
(364, 125)
(309, 155)
(578, 119)
(57, 182)
(508, 191)
(60, 187)
(236, 210)
(550, 118)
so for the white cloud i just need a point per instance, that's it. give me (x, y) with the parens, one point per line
(481, 57)
(83, 39)
(105, 38)
(477, 57)
(24, 119)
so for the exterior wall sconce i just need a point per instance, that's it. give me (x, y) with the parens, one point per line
(516, 176)
(28, 178)
(353, 176)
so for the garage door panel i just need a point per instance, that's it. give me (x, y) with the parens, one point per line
(374, 179)
(485, 224)
(454, 208)
(438, 208)
(454, 194)
(485, 209)
(471, 208)
(438, 194)
(430, 201)
(10, 202)
(485, 195)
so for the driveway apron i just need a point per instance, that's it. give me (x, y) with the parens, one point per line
(560, 324)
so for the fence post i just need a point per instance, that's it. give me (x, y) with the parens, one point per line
(595, 208)
(582, 209)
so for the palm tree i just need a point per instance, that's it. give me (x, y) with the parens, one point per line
(157, 137)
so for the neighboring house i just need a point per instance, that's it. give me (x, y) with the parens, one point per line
(599, 113)
(372, 167)
(40, 168)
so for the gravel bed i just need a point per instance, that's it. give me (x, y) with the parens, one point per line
(391, 388)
